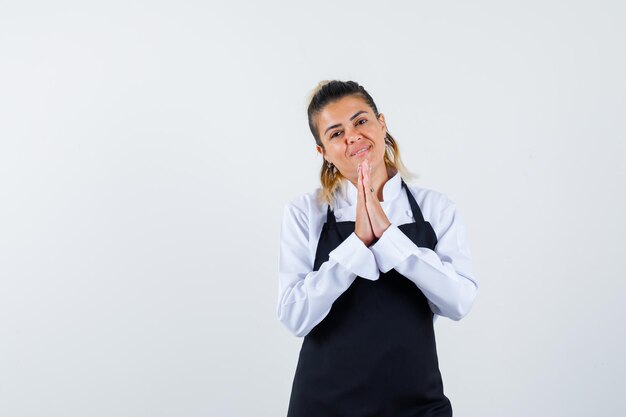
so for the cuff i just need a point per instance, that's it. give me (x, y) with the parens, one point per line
(353, 255)
(392, 248)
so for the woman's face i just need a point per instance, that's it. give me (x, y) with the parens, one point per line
(350, 133)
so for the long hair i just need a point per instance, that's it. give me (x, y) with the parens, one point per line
(328, 92)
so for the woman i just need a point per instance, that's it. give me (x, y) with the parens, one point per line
(367, 263)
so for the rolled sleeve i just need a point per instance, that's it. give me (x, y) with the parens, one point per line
(444, 274)
(357, 258)
(392, 248)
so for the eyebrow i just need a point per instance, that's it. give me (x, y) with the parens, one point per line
(339, 124)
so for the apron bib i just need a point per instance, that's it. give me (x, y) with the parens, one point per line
(374, 354)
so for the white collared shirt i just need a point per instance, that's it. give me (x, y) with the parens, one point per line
(443, 275)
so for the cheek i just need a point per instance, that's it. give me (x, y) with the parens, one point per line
(382, 148)
(336, 150)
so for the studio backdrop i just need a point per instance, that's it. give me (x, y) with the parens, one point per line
(147, 150)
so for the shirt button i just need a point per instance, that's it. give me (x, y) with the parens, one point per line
(409, 213)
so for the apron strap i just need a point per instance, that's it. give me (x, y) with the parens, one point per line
(330, 217)
(417, 213)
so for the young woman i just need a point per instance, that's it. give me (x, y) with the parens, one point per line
(367, 263)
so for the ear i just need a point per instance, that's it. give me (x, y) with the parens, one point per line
(381, 120)
(319, 149)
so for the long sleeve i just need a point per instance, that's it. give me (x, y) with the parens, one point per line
(443, 275)
(306, 296)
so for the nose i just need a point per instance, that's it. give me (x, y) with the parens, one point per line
(353, 135)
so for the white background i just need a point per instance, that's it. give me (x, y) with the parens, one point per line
(147, 150)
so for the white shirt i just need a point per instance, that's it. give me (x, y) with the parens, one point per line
(443, 275)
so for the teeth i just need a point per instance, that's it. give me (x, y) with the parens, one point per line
(361, 151)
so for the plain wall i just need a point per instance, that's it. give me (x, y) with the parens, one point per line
(147, 150)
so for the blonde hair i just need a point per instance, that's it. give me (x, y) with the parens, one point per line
(328, 92)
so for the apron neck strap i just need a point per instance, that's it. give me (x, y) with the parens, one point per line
(330, 217)
(417, 213)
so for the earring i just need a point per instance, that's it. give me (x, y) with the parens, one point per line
(331, 167)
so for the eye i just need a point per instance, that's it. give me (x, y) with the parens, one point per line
(361, 121)
(335, 134)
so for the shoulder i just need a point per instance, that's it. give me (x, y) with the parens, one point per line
(437, 208)
(431, 202)
(306, 205)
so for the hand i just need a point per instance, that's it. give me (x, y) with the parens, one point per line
(377, 217)
(362, 228)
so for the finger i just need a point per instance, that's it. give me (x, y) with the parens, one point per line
(367, 184)
(360, 193)
(366, 170)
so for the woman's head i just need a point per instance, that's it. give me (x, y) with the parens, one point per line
(330, 91)
(348, 128)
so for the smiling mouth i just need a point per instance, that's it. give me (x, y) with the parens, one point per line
(361, 151)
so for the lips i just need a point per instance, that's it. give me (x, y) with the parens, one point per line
(361, 150)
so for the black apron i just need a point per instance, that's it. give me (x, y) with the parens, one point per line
(374, 354)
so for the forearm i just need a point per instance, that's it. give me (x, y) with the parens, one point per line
(450, 292)
(307, 301)
(447, 281)
(305, 297)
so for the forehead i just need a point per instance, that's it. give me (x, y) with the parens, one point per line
(341, 110)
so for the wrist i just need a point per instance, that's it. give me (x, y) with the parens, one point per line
(367, 240)
(382, 230)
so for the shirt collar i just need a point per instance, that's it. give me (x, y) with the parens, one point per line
(347, 193)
